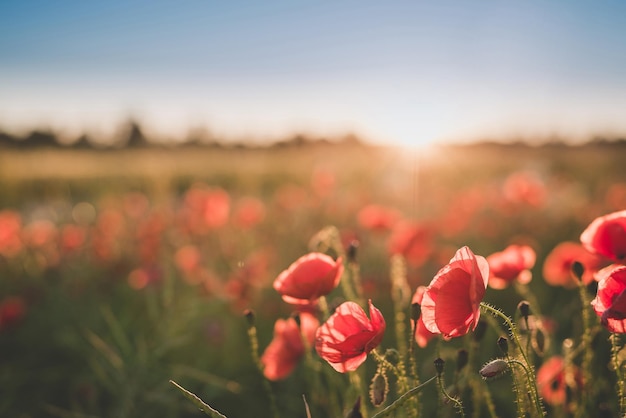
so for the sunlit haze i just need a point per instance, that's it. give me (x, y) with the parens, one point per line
(403, 73)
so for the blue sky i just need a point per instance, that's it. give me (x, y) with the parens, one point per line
(395, 72)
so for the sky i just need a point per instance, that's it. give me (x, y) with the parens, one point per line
(403, 72)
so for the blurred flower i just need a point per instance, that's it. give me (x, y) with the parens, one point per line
(287, 348)
(615, 196)
(610, 301)
(248, 212)
(377, 217)
(451, 303)
(216, 208)
(308, 278)
(323, 182)
(606, 236)
(525, 187)
(413, 241)
(346, 338)
(73, 237)
(187, 259)
(141, 277)
(10, 230)
(513, 263)
(204, 209)
(290, 197)
(555, 381)
(557, 267)
(12, 310)
(39, 233)
(135, 204)
(422, 334)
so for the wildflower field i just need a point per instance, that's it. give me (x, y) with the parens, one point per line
(325, 280)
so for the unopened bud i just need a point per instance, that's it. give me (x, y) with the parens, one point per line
(416, 311)
(249, 314)
(352, 251)
(524, 309)
(503, 343)
(461, 359)
(379, 389)
(439, 362)
(495, 368)
(578, 270)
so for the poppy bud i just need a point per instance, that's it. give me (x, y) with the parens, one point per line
(524, 309)
(416, 311)
(503, 343)
(352, 251)
(495, 368)
(249, 314)
(439, 362)
(379, 389)
(578, 270)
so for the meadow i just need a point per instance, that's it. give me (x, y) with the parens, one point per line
(124, 270)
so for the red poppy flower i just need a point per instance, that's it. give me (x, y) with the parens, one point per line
(513, 263)
(377, 218)
(346, 338)
(525, 187)
(413, 241)
(451, 303)
(606, 236)
(554, 379)
(610, 301)
(422, 334)
(308, 278)
(249, 212)
(216, 208)
(287, 348)
(10, 231)
(557, 267)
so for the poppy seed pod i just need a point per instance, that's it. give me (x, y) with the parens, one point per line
(379, 389)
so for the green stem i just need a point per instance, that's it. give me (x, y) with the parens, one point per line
(457, 403)
(617, 365)
(402, 399)
(198, 402)
(254, 348)
(588, 351)
(515, 335)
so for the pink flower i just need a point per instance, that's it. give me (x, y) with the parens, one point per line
(308, 278)
(557, 267)
(451, 303)
(413, 241)
(346, 338)
(283, 354)
(610, 301)
(377, 218)
(606, 236)
(553, 380)
(513, 263)
(422, 334)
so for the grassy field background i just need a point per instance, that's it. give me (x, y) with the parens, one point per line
(99, 332)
